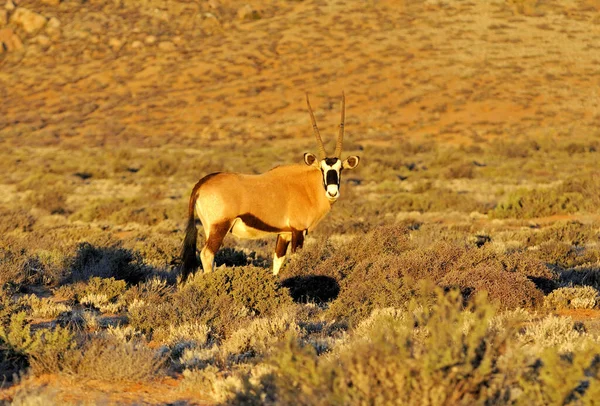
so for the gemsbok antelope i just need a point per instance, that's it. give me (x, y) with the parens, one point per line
(288, 200)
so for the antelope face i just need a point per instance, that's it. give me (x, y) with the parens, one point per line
(331, 170)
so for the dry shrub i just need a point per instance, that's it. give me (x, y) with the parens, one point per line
(106, 262)
(433, 200)
(577, 297)
(381, 268)
(159, 250)
(53, 201)
(441, 354)
(510, 290)
(44, 307)
(209, 381)
(35, 395)
(260, 335)
(562, 379)
(151, 291)
(114, 360)
(15, 219)
(569, 232)
(223, 300)
(371, 285)
(460, 170)
(98, 210)
(573, 195)
(20, 265)
(565, 255)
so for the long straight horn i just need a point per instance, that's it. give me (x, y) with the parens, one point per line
(322, 153)
(340, 139)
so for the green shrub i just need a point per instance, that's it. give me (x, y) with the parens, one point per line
(110, 287)
(45, 350)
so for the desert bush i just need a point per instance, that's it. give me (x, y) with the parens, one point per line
(381, 269)
(45, 351)
(187, 334)
(433, 200)
(98, 210)
(525, 203)
(260, 335)
(151, 291)
(223, 300)
(560, 333)
(508, 289)
(565, 255)
(166, 165)
(109, 287)
(53, 201)
(106, 262)
(569, 232)
(441, 354)
(33, 395)
(460, 170)
(371, 285)
(512, 149)
(561, 379)
(113, 360)
(16, 219)
(158, 250)
(210, 381)
(21, 266)
(573, 195)
(43, 307)
(578, 297)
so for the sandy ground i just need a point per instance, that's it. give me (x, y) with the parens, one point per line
(449, 70)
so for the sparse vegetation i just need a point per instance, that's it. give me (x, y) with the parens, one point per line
(461, 265)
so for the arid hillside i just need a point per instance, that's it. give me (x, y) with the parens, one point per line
(463, 254)
(195, 74)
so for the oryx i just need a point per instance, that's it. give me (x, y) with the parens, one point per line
(288, 200)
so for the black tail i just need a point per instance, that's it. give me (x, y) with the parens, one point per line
(188, 252)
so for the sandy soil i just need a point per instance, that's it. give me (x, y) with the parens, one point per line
(451, 70)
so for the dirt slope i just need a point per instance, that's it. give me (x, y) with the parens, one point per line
(182, 73)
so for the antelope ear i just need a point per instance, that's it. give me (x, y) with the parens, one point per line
(351, 162)
(310, 159)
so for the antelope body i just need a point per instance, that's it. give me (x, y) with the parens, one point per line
(288, 200)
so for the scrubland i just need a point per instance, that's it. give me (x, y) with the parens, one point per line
(461, 264)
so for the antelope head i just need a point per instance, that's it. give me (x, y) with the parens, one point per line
(331, 166)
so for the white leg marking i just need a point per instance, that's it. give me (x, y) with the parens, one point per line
(277, 263)
(208, 259)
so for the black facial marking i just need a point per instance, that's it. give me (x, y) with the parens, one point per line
(332, 177)
(330, 161)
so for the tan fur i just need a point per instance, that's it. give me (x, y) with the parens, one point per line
(286, 198)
